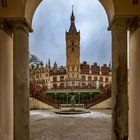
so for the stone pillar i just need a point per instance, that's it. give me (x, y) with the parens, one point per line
(21, 80)
(134, 81)
(119, 79)
(6, 82)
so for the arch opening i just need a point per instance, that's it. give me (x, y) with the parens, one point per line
(83, 23)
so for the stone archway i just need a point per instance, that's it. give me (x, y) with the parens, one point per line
(15, 24)
(118, 96)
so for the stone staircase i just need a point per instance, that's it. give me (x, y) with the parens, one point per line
(104, 95)
(36, 91)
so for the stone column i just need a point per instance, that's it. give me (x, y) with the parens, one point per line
(134, 81)
(119, 79)
(6, 82)
(21, 80)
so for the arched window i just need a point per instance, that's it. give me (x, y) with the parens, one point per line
(83, 78)
(72, 43)
(72, 68)
(72, 49)
(61, 78)
(54, 79)
(106, 79)
(73, 75)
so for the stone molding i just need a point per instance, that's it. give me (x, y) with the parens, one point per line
(119, 23)
(125, 23)
(134, 24)
(5, 26)
(19, 25)
(9, 24)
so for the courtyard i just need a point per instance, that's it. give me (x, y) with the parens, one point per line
(46, 125)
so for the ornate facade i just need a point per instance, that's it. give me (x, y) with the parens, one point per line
(73, 75)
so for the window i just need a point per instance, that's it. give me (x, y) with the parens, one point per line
(95, 78)
(72, 43)
(77, 75)
(106, 79)
(101, 79)
(72, 68)
(61, 78)
(89, 78)
(54, 79)
(73, 83)
(61, 85)
(54, 86)
(73, 75)
(83, 84)
(72, 49)
(83, 78)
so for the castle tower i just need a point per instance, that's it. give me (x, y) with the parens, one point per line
(73, 50)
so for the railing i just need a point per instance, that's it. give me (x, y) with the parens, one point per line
(106, 94)
(37, 91)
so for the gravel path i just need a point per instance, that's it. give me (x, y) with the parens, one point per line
(46, 125)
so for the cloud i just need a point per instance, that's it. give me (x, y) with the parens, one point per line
(52, 19)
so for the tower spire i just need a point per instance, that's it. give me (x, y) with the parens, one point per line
(72, 15)
(72, 29)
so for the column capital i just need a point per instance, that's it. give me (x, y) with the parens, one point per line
(134, 24)
(19, 24)
(9, 24)
(119, 23)
(5, 26)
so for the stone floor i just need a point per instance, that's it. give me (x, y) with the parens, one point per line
(46, 125)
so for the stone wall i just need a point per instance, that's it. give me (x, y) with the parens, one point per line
(36, 104)
(104, 105)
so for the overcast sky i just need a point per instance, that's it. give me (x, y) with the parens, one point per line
(52, 19)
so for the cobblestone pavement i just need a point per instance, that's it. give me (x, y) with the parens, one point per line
(46, 125)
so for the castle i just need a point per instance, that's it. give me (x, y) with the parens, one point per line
(74, 75)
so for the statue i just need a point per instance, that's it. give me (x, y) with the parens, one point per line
(72, 101)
